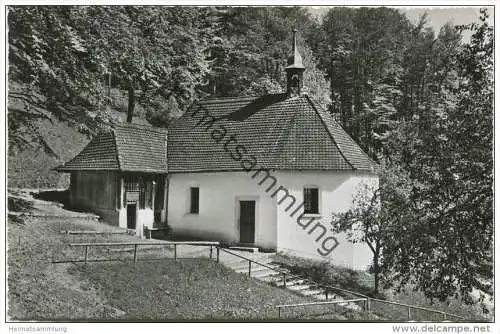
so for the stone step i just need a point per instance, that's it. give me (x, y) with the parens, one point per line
(263, 273)
(245, 249)
(298, 287)
(289, 282)
(331, 296)
(44, 203)
(244, 265)
(270, 279)
(275, 278)
(312, 292)
(254, 268)
(231, 259)
(294, 281)
(322, 297)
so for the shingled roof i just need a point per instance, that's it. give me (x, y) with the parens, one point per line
(127, 147)
(282, 133)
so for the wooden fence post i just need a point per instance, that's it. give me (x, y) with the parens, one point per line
(284, 280)
(409, 313)
(86, 253)
(135, 253)
(175, 252)
(279, 312)
(249, 268)
(211, 252)
(326, 295)
(218, 254)
(368, 306)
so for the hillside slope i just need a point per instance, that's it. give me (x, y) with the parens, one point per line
(44, 141)
(45, 285)
(34, 166)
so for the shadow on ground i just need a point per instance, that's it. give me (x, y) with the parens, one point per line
(58, 196)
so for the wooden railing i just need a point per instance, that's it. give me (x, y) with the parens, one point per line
(445, 315)
(284, 275)
(359, 297)
(87, 246)
(333, 302)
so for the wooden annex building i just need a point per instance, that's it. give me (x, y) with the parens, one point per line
(121, 176)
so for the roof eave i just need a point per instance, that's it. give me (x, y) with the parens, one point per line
(222, 170)
(78, 169)
(137, 170)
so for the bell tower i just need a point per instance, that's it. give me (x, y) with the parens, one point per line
(294, 70)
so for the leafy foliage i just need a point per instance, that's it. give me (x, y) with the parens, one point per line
(70, 55)
(251, 53)
(435, 229)
(451, 159)
(364, 62)
(417, 101)
(379, 213)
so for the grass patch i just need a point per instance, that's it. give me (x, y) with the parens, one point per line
(456, 306)
(362, 282)
(327, 274)
(161, 290)
(33, 167)
(187, 289)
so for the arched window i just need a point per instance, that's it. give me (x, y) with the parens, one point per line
(295, 84)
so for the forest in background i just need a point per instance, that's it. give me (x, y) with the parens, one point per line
(418, 101)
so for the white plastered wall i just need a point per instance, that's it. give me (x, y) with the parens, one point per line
(218, 207)
(275, 227)
(336, 191)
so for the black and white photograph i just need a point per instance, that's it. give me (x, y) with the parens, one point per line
(329, 164)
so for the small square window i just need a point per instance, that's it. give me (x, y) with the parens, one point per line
(311, 200)
(195, 200)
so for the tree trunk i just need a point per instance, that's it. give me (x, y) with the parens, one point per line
(376, 270)
(109, 86)
(131, 104)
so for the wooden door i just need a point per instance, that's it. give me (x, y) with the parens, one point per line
(247, 222)
(131, 216)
